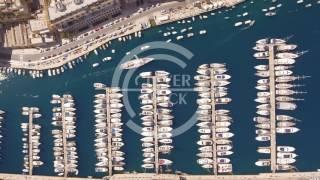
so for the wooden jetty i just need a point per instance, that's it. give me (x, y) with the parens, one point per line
(30, 141)
(213, 119)
(155, 119)
(273, 140)
(109, 136)
(64, 138)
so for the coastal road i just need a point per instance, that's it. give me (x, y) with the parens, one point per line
(37, 56)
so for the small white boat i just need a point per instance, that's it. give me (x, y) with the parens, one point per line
(285, 160)
(264, 150)
(95, 65)
(285, 149)
(287, 130)
(263, 162)
(286, 155)
(238, 24)
(263, 138)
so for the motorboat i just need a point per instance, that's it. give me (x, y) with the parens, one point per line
(262, 87)
(285, 160)
(224, 135)
(262, 131)
(223, 141)
(147, 166)
(263, 74)
(284, 167)
(263, 162)
(223, 147)
(286, 155)
(146, 75)
(204, 131)
(261, 119)
(285, 61)
(262, 67)
(286, 47)
(263, 138)
(202, 161)
(287, 55)
(284, 86)
(224, 153)
(205, 154)
(286, 106)
(205, 149)
(263, 125)
(223, 160)
(138, 62)
(264, 150)
(285, 124)
(263, 112)
(285, 149)
(164, 162)
(204, 142)
(284, 118)
(165, 141)
(287, 130)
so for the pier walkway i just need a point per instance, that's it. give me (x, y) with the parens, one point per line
(147, 176)
(30, 141)
(213, 119)
(64, 138)
(273, 139)
(109, 131)
(155, 119)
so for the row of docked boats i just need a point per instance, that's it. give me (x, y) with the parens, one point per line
(108, 129)
(215, 144)
(64, 146)
(31, 140)
(283, 78)
(2, 113)
(156, 119)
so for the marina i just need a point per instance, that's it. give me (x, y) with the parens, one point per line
(279, 84)
(157, 121)
(31, 140)
(236, 53)
(108, 132)
(213, 122)
(65, 150)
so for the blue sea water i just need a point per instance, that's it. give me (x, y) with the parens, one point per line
(223, 43)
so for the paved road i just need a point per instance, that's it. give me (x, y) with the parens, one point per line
(63, 48)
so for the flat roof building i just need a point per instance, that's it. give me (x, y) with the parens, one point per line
(13, 11)
(72, 15)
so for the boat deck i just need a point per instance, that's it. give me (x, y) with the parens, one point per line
(155, 119)
(109, 136)
(64, 138)
(213, 119)
(30, 141)
(273, 140)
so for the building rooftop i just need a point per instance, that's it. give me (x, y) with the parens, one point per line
(60, 8)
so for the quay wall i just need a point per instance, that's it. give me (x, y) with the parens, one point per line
(148, 176)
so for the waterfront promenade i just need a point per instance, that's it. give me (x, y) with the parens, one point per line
(35, 60)
(148, 176)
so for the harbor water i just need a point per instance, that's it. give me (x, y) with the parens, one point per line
(222, 43)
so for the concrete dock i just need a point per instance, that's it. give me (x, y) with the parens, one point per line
(273, 139)
(155, 119)
(64, 138)
(30, 141)
(213, 119)
(147, 176)
(109, 136)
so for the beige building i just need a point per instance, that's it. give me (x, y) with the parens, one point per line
(13, 11)
(73, 15)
